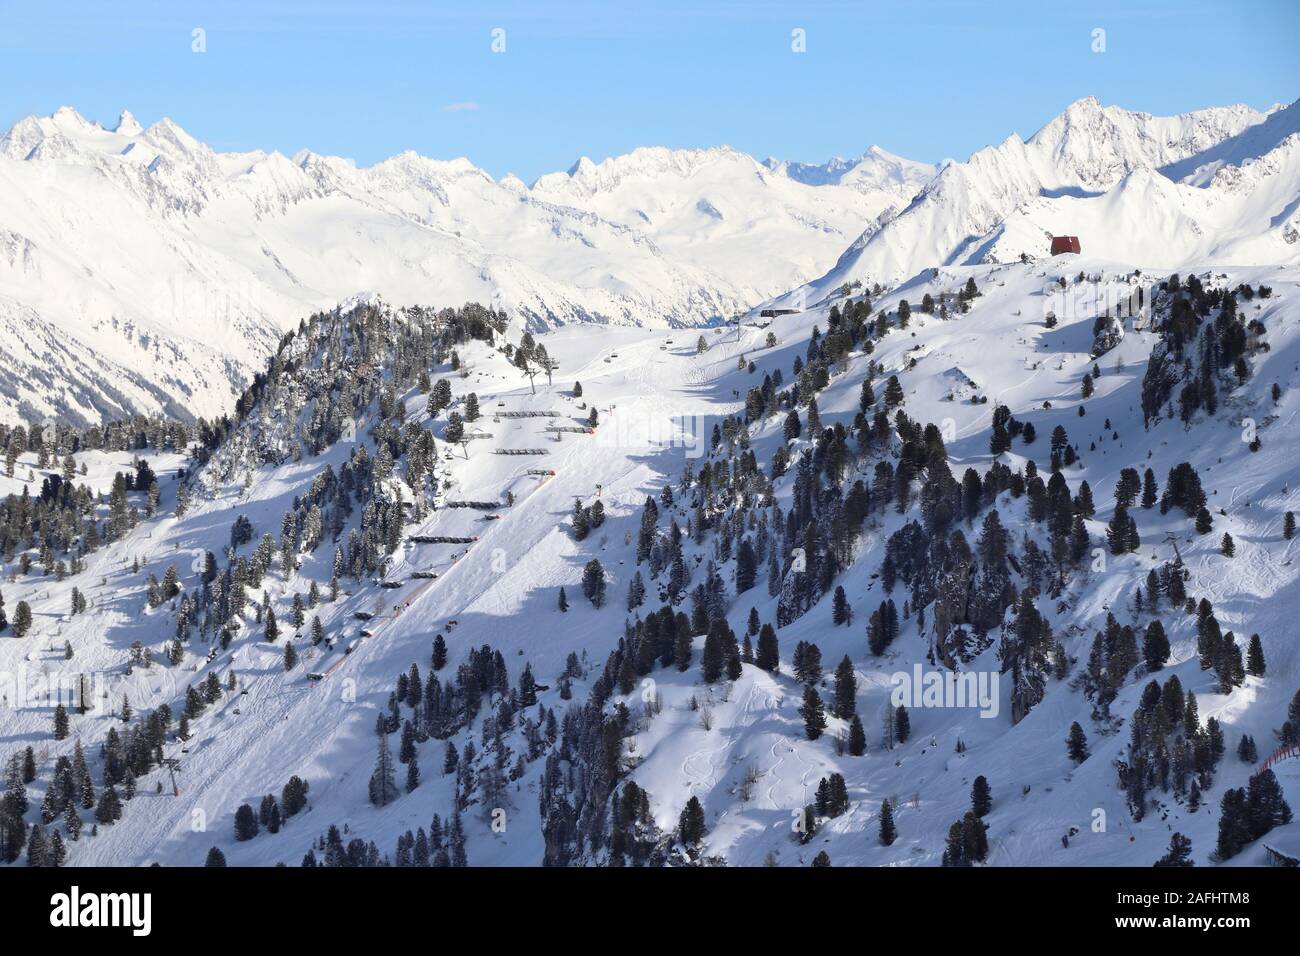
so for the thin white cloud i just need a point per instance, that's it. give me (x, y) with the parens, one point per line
(460, 107)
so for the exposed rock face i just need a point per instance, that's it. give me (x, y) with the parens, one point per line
(1108, 332)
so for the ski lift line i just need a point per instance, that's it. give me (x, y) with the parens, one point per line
(379, 623)
(382, 621)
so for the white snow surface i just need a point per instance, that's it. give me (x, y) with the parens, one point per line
(140, 270)
(1215, 185)
(503, 591)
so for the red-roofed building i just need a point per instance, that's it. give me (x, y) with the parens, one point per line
(1062, 244)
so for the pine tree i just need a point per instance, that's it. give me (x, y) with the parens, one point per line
(975, 841)
(383, 785)
(1288, 526)
(888, 833)
(1150, 492)
(290, 657)
(857, 737)
(109, 809)
(954, 852)
(456, 841)
(1118, 531)
(768, 655)
(593, 583)
(22, 622)
(581, 521)
(293, 798)
(682, 648)
(846, 689)
(807, 663)
(1178, 854)
(61, 729)
(72, 821)
(527, 688)
(746, 567)
(813, 713)
(246, 823)
(841, 613)
(981, 797)
(215, 858)
(822, 859)
(1234, 824)
(1204, 523)
(439, 652)
(38, 850)
(1155, 646)
(454, 431)
(451, 759)
(635, 592)
(893, 392)
(711, 660)
(1266, 807)
(1255, 666)
(690, 826)
(1227, 548)
(563, 602)
(1077, 743)
(272, 628)
(902, 724)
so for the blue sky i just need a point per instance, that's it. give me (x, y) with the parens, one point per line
(928, 79)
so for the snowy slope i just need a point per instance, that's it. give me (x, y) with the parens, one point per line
(142, 271)
(1213, 185)
(757, 224)
(503, 588)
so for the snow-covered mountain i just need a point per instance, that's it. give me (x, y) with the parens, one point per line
(1214, 185)
(450, 587)
(142, 271)
(396, 485)
(753, 224)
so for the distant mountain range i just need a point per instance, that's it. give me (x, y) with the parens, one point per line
(1215, 186)
(141, 271)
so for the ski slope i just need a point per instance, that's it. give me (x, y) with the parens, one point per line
(502, 589)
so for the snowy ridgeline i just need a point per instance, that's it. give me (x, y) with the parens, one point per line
(240, 245)
(993, 568)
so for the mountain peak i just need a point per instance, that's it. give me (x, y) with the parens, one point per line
(127, 125)
(66, 116)
(1085, 104)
